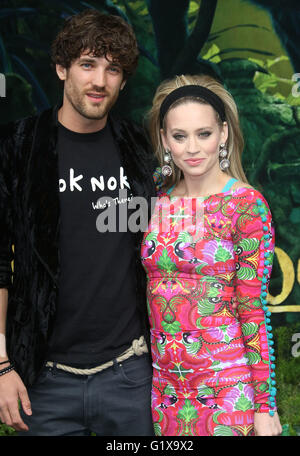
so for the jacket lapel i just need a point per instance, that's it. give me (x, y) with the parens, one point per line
(43, 197)
(136, 157)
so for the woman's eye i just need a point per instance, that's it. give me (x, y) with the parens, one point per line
(178, 137)
(203, 134)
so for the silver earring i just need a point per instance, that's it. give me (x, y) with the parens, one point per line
(225, 162)
(166, 169)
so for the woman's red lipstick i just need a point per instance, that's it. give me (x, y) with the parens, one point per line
(194, 161)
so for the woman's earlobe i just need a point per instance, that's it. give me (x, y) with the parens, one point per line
(163, 139)
(225, 131)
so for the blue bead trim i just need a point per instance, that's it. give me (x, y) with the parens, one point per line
(265, 242)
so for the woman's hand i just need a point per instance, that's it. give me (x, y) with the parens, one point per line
(264, 424)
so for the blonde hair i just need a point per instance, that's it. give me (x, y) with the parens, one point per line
(235, 141)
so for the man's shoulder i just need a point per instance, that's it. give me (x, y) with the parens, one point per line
(17, 129)
(134, 141)
(8, 130)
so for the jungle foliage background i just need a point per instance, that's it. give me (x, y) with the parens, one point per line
(252, 46)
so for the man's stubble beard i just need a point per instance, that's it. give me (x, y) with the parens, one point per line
(97, 113)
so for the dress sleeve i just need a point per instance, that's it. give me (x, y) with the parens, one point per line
(254, 250)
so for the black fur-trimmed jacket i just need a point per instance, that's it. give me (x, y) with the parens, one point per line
(29, 228)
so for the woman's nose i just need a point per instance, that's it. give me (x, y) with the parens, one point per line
(192, 146)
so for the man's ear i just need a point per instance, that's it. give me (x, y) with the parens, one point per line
(61, 72)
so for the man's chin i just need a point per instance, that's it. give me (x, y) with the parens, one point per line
(94, 114)
(95, 117)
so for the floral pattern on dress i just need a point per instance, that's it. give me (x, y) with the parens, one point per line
(211, 363)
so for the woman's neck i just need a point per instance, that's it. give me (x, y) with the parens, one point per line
(204, 185)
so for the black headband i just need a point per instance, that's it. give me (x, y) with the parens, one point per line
(193, 91)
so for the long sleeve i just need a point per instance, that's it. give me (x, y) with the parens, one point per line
(254, 250)
(6, 253)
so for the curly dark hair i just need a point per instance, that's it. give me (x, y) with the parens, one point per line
(100, 34)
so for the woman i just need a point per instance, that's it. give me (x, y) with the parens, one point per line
(208, 247)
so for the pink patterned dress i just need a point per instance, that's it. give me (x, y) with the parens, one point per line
(213, 366)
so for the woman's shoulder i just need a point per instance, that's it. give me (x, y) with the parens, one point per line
(247, 189)
(250, 194)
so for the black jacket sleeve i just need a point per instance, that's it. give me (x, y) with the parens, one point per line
(6, 182)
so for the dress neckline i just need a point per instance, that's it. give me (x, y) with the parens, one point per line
(226, 189)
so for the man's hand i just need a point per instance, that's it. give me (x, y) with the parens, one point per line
(264, 424)
(12, 390)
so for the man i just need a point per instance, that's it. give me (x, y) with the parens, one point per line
(73, 313)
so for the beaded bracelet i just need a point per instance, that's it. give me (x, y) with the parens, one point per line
(7, 369)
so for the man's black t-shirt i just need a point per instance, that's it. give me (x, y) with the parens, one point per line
(97, 316)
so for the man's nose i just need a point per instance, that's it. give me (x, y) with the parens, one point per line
(99, 78)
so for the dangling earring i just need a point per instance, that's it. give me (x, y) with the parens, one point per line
(224, 163)
(166, 169)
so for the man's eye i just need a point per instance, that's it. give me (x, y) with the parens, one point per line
(114, 69)
(86, 65)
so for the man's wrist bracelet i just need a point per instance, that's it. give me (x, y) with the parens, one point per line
(7, 369)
